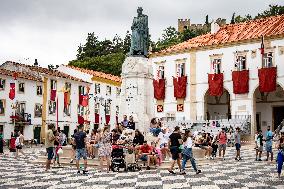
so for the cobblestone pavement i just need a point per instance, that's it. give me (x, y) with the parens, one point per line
(218, 174)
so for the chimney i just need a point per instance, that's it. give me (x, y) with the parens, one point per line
(36, 63)
(214, 27)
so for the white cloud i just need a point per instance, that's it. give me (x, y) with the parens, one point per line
(51, 30)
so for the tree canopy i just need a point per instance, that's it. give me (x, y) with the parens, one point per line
(108, 55)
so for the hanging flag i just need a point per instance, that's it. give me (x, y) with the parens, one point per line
(85, 100)
(12, 91)
(66, 98)
(81, 119)
(52, 94)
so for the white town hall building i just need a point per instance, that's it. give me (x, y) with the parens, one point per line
(225, 74)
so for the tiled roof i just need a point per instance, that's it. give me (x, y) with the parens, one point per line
(46, 71)
(97, 74)
(20, 75)
(254, 29)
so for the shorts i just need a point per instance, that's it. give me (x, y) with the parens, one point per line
(175, 151)
(268, 148)
(222, 146)
(12, 149)
(144, 158)
(19, 147)
(81, 153)
(163, 145)
(50, 153)
(238, 146)
(260, 148)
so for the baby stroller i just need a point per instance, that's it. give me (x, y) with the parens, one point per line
(117, 159)
(130, 160)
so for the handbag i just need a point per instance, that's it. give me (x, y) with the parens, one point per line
(60, 151)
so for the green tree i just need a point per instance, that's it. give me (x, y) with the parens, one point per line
(170, 37)
(273, 10)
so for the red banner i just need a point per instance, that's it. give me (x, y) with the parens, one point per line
(52, 95)
(81, 119)
(240, 81)
(215, 82)
(267, 79)
(85, 100)
(66, 99)
(107, 119)
(159, 89)
(180, 86)
(12, 92)
(97, 118)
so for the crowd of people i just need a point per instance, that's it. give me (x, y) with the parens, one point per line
(175, 146)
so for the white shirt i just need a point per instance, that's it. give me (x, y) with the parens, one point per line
(188, 143)
(164, 138)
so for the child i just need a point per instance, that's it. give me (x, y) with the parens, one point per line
(214, 147)
(259, 148)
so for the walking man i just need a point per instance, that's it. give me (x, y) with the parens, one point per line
(238, 144)
(80, 141)
(222, 136)
(268, 147)
(174, 143)
(49, 145)
(19, 144)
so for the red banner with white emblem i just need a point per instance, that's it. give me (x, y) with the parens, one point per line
(240, 81)
(215, 82)
(180, 86)
(267, 79)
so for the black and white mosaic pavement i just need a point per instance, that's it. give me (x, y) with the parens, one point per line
(217, 174)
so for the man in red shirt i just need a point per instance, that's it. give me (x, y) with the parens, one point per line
(222, 137)
(145, 153)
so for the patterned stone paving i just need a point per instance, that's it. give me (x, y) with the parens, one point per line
(217, 174)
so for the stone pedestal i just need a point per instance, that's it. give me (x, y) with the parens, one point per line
(137, 93)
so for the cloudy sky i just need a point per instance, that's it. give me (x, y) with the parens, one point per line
(51, 30)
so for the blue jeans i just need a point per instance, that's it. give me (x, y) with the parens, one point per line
(280, 160)
(187, 155)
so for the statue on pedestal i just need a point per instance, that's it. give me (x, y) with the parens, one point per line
(140, 35)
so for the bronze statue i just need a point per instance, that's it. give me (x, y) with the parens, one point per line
(140, 35)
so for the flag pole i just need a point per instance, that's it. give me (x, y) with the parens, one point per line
(56, 112)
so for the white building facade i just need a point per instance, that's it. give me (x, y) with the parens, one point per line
(26, 110)
(48, 97)
(226, 49)
(104, 95)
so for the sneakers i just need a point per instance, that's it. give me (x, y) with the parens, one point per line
(148, 168)
(172, 172)
(182, 173)
(78, 172)
(223, 158)
(85, 172)
(259, 159)
(198, 171)
(71, 161)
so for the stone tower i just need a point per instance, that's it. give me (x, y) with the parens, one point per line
(183, 24)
